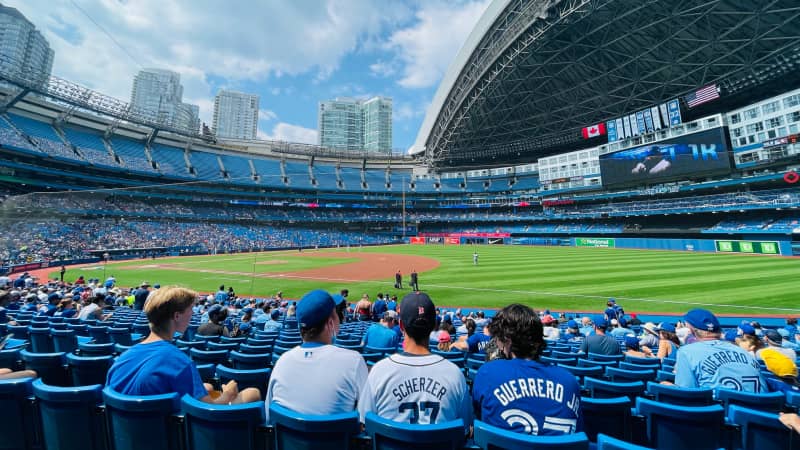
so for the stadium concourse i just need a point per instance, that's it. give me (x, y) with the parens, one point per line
(563, 123)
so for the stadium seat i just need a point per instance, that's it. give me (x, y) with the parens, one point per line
(663, 375)
(88, 370)
(607, 389)
(303, 431)
(623, 375)
(599, 357)
(389, 435)
(675, 426)
(493, 438)
(583, 372)
(594, 363)
(605, 442)
(760, 429)
(245, 378)
(99, 334)
(40, 340)
(228, 340)
(674, 395)
(124, 336)
(10, 359)
(212, 427)
(51, 367)
(18, 331)
(255, 349)
(190, 344)
(637, 366)
(93, 349)
(642, 361)
(70, 416)
(250, 360)
(793, 400)
(382, 350)
(64, 340)
(611, 416)
(143, 421)
(208, 372)
(211, 345)
(769, 402)
(19, 424)
(209, 356)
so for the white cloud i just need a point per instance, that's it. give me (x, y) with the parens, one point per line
(427, 47)
(382, 69)
(290, 133)
(406, 111)
(266, 115)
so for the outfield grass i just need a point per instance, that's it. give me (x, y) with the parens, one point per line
(560, 278)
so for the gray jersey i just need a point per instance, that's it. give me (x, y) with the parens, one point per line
(317, 379)
(417, 389)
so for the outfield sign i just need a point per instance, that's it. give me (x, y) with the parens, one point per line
(761, 247)
(594, 242)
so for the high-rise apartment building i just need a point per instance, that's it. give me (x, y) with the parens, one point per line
(159, 93)
(235, 115)
(24, 52)
(351, 124)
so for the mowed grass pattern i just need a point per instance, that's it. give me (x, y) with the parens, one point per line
(559, 278)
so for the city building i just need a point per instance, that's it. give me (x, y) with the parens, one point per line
(357, 125)
(159, 93)
(235, 115)
(23, 50)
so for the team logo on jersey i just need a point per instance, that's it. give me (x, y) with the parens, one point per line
(515, 417)
(308, 355)
(421, 311)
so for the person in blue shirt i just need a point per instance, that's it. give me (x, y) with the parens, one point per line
(273, 324)
(156, 366)
(475, 341)
(382, 334)
(520, 393)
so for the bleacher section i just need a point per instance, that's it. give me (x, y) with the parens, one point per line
(268, 171)
(132, 154)
(91, 146)
(297, 172)
(237, 167)
(170, 160)
(44, 135)
(205, 164)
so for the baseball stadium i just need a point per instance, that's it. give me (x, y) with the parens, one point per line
(578, 157)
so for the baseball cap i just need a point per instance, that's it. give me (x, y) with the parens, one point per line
(144, 284)
(632, 342)
(702, 319)
(548, 319)
(444, 336)
(601, 322)
(275, 314)
(747, 329)
(730, 336)
(612, 300)
(314, 308)
(338, 299)
(572, 324)
(778, 363)
(773, 336)
(247, 310)
(417, 311)
(214, 311)
(651, 328)
(665, 326)
(390, 315)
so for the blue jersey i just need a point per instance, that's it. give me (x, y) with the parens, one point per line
(477, 343)
(379, 336)
(527, 396)
(153, 369)
(717, 364)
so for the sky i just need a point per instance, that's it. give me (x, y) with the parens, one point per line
(292, 53)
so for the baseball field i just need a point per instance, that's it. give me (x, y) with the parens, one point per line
(559, 278)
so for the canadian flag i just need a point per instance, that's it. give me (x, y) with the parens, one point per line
(594, 131)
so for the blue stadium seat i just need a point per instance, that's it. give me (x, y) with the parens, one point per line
(228, 340)
(638, 366)
(793, 400)
(605, 442)
(594, 363)
(64, 340)
(99, 333)
(222, 346)
(390, 435)
(71, 419)
(51, 367)
(41, 341)
(88, 370)
(611, 416)
(760, 429)
(493, 438)
(255, 349)
(190, 344)
(624, 375)
(663, 375)
(143, 421)
(209, 356)
(245, 378)
(18, 425)
(123, 336)
(18, 331)
(250, 360)
(94, 349)
(10, 359)
(667, 393)
(607, 389)
(675, 426)
(599, 357)
(212, 427)
(583, 372)
(770, 401)
(303, 431)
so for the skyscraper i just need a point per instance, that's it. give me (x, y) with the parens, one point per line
(159, 93)
(351, 124)
(235, 115)
(24, 52)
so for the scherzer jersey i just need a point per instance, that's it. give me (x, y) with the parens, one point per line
(317, 379)
(527, 396)
(717, 364)
(420, 389)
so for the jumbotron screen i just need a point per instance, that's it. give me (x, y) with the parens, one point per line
(705, 153)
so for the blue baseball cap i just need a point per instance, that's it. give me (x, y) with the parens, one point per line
(314, 308)
(572, 324)
(338, 299)
(702, 319)
(612, 300)
(601, 322)
(747, 329)
(247, 310)
(730, 336)
(632, 342)
(664, 326)
(214, 311)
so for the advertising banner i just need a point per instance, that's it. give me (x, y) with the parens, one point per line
(760, 247)
(416, 240)
(594, 242)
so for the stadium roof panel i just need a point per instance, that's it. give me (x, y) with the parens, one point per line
(533, 73)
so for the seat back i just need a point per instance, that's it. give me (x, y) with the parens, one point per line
(245, 378)
(666, 393)
(623, 375)
(99, 334)
(96, 349)
(608, 389)
(209, 356)
(51, 367)
(41, 342)
(676, 426)
(18, 426)
(762, 430)
(10, 359)
(64, 340)
(390, 435)
(770, 401)
(70, 417)
(489, 437)
(88, 370)
(143, 421)
(583, 372)
(605, 442)
(210, 427)
(611, 416)
(304, 431)
(250, 361)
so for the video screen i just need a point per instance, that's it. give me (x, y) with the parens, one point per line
(705, 153)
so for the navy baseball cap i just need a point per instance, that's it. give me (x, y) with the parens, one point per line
(314, 308)
(417, 311)
(601, 322)
(664, 326)
(702, 319)
(773, 336)
(214, 311)
(275, 314)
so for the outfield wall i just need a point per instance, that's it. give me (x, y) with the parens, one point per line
(762, 246)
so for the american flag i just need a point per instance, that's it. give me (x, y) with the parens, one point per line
(702, 95)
